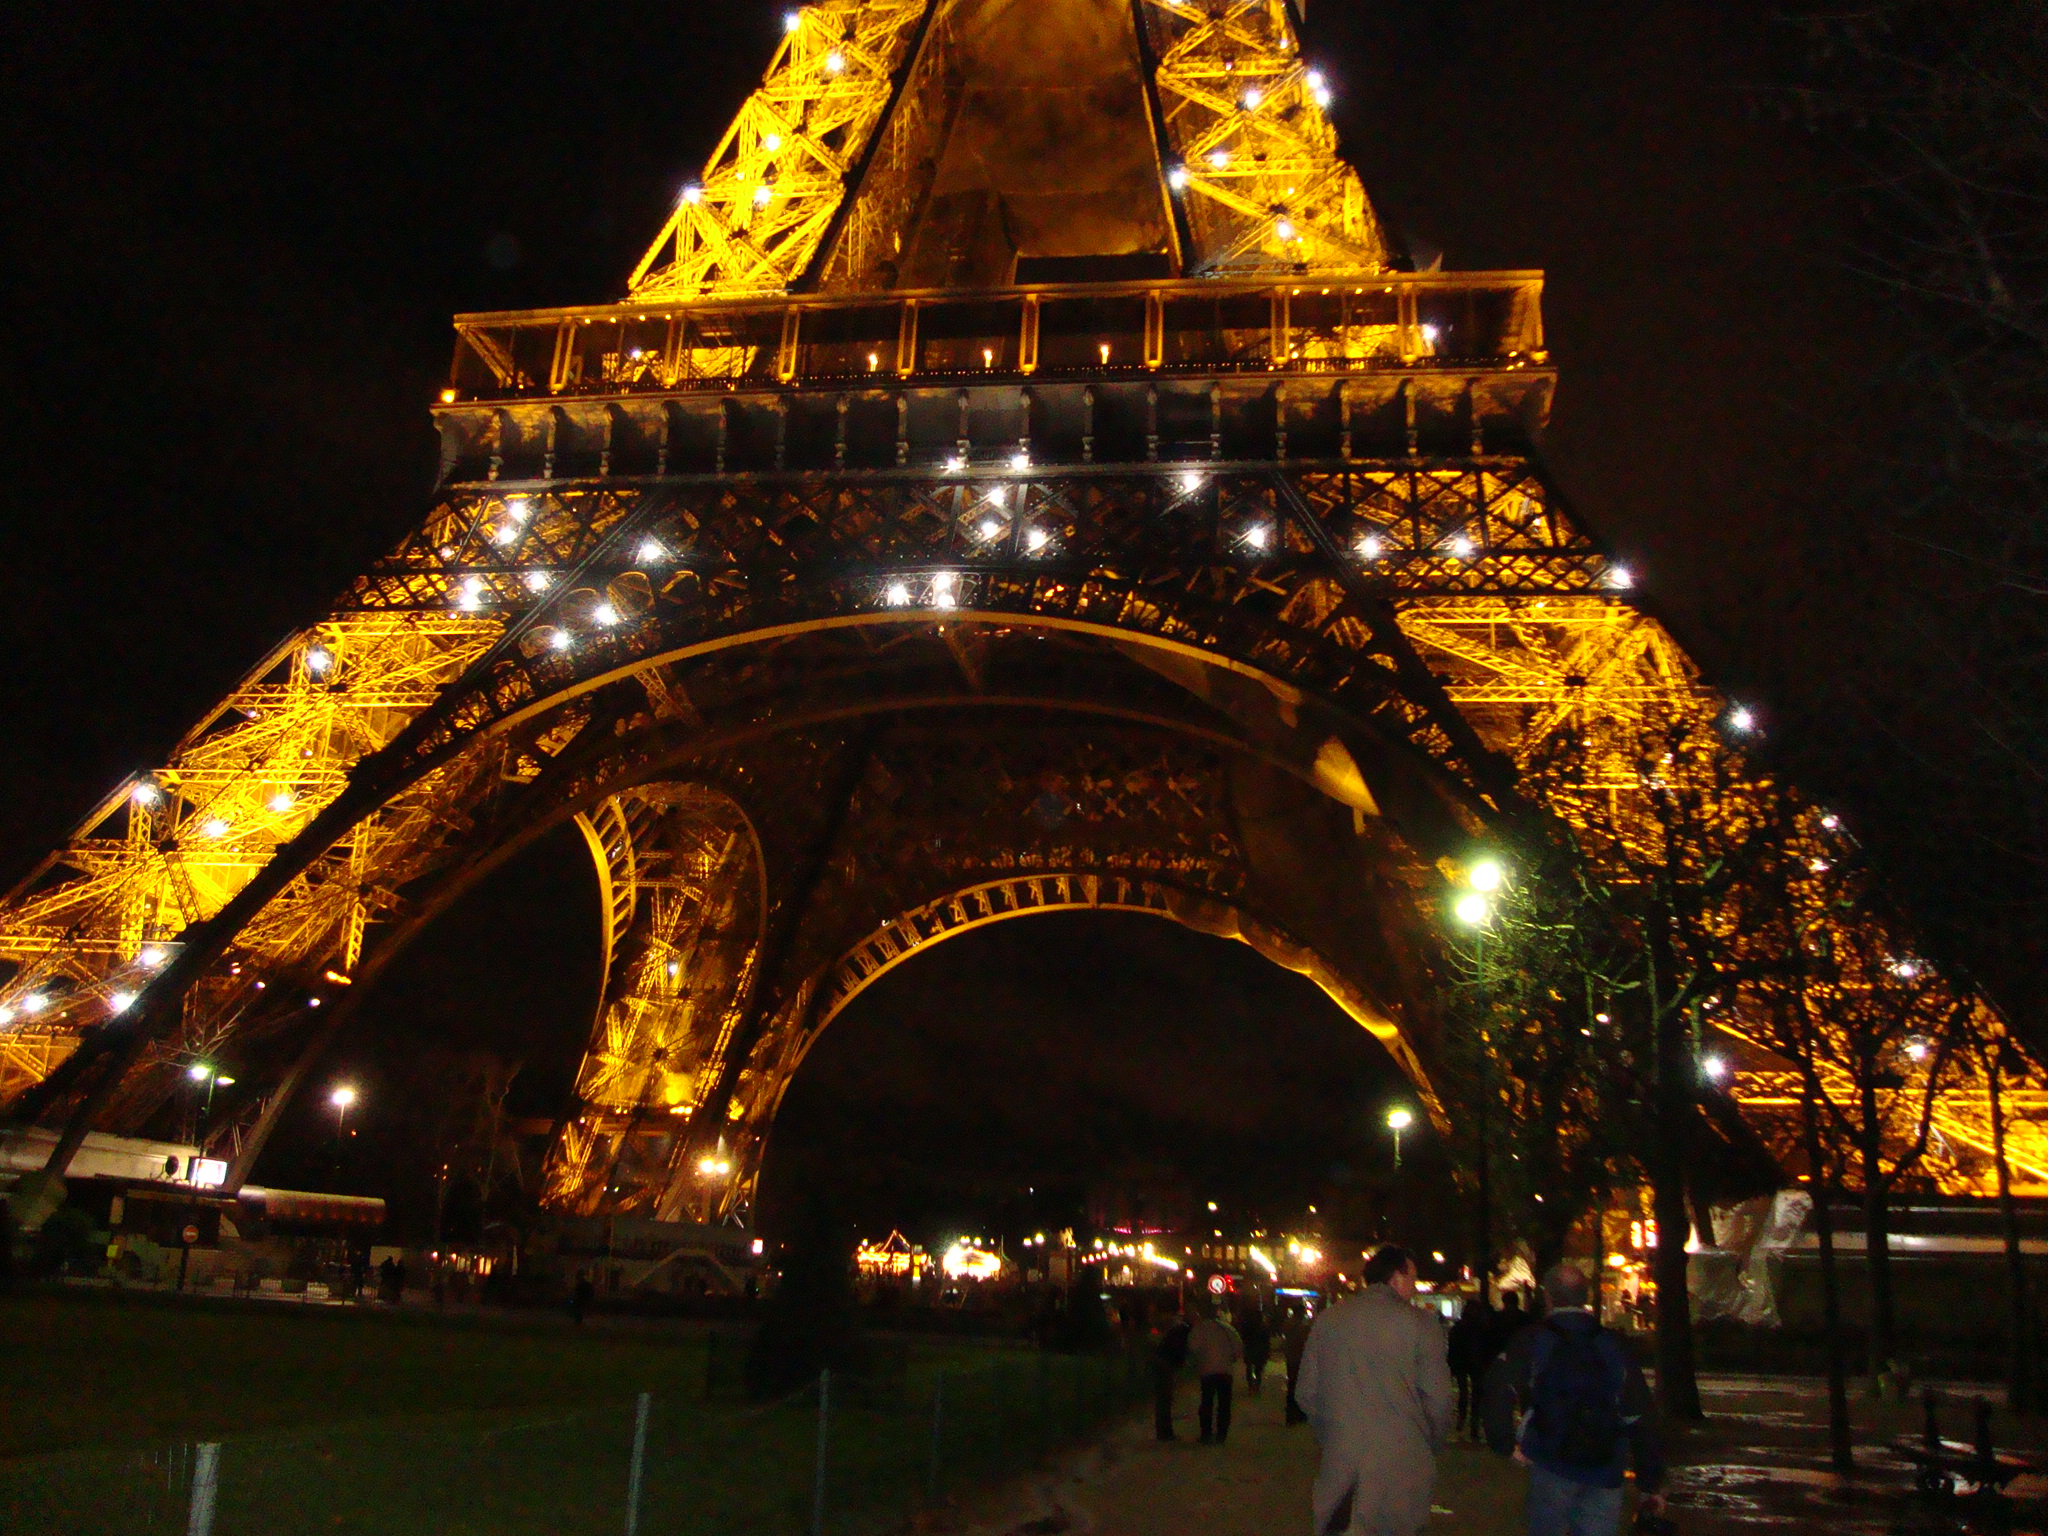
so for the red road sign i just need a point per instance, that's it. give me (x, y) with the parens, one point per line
(191, 1236)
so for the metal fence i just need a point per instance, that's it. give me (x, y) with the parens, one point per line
(844, 1455)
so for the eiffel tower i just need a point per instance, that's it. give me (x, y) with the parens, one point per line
(1022, 476)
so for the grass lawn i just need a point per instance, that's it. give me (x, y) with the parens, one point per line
(346, 1420)
(87, 1368)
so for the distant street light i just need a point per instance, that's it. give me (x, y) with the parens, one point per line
(1398, 1120)
(343, 1099)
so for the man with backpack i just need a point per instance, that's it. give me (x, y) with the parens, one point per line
(1586, 1414)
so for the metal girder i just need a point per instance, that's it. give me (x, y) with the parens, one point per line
(754, 220)
(1257, 167)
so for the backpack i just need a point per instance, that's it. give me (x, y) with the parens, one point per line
(1576, 1418)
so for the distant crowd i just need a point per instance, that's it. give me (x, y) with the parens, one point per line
(1384, 1387)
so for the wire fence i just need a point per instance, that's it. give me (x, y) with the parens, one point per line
(845, 1455)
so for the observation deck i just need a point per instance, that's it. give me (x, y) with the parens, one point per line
(1130, 371)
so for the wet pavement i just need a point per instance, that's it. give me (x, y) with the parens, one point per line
(1757, 1467)
(1760, 1464)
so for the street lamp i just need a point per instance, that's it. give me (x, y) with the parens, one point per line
(1398, 1120)
(1474, 908)
(343, 1099)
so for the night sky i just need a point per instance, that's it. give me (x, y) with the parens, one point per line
(237, 232)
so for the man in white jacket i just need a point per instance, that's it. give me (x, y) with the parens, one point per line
(1376, 1385)
(1215, 1348)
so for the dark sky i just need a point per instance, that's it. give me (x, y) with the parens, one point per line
(236, 233)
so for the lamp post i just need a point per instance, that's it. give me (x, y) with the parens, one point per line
(1398, 1120)
(343, 1099)
(1474, 909)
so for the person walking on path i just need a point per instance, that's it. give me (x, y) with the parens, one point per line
(1217, 1349)
(1470, 1337)
(1294, 1338)
(1377, 1389)
(1258, 1348)
(1507, 1322)
(1169, 1353)
(1586, 1411)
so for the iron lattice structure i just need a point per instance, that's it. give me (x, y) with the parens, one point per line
(919, 545)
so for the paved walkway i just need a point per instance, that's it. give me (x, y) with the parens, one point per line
(1758, 1467)
(1256, 1485)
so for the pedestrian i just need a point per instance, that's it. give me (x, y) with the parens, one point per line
(398, 1281)
(1468, 1345)
(1216, 1349)
(387, 1283)
(1258, 1348)
(1377, 1390)
(579, 1296)
(1507, 1322)
(1587, 1416)
(1169, 1353)
(1294, 1330)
